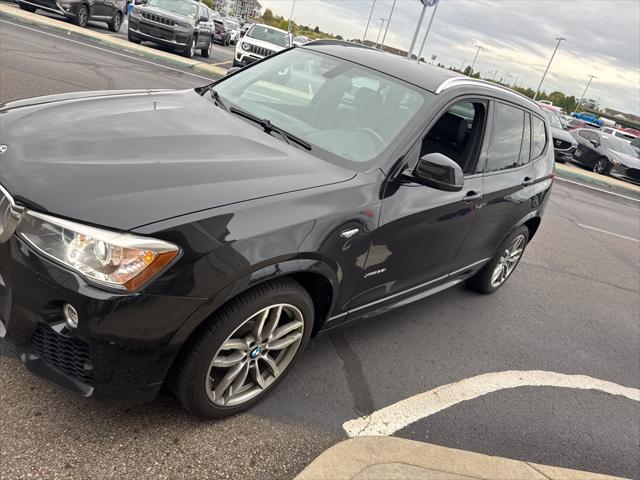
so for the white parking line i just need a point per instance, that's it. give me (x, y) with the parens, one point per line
(608, 233)
(597, 189)
(389, 420)
(106, 50)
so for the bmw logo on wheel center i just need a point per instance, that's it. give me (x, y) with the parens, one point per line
(255, 352)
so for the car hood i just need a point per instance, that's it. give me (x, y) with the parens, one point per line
(628, 160)
(560, 134)
(123, 160)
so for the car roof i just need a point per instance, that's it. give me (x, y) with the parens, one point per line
(428, 77)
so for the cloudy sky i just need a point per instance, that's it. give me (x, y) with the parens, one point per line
(517, 36)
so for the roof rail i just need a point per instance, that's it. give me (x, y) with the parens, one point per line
(455, 81)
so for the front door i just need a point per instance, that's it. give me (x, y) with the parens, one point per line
(421, 228)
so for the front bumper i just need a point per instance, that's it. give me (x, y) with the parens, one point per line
(245, 58)
(176, 37)
(120, 340)
(627, 172)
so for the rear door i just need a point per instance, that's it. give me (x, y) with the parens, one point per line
(517, 137)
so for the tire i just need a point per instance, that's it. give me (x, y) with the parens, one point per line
(116, 22)
(483, 281)
(27, 8)
(206, 52)
(190, 50)
(196, 379)
(82, 16)
(236, 63)
(602, 166)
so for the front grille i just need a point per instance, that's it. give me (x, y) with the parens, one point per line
(157, 32)
(69, 355)
(561, 144)
(158, 19)
(263, 52)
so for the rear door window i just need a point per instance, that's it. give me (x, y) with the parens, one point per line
(506, 138)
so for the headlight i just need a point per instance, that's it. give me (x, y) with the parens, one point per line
(115, 260)
(246, 46)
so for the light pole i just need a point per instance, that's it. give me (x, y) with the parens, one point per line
(369, 21)
(415, 35)
(380, 31)
(291, 16)
(475, 58)
(559, 39)
(426, 34)
(591, 77)
(388, 23)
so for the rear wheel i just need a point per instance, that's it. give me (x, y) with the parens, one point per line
(245, 350)
(82, 17)
(27, 8)
(116, 22)
(602, 166)
(495, 273)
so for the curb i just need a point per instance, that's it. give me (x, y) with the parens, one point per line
(375, 458)
(102, 39)
(572, 172)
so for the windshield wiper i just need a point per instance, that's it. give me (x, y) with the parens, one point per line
(269, 127)
(218, 99)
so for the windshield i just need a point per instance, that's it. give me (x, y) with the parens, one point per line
(182, 7)
(270, 35)
(554, 120)
(618, 145)
(349, 114)
(231, 25)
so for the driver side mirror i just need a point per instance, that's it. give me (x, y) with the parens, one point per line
(440, 172)
(242, 32)
(595, 143)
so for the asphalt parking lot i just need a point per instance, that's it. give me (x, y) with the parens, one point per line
(571, 308)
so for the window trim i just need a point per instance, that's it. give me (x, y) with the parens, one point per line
(546, 140)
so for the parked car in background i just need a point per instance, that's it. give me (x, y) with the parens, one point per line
(221, 33)
(300, 40)
(589, 118)
(564, 145)
(209, 240)
(234, 30)
(82, 11)
(183, 25)
(606, 154)
(260, 41)
(575, 123)
(618, 133)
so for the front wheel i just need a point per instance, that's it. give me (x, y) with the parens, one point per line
(602, 166)
(206, 52)
(495, 273)
(82, 17)
(190, 51)
(245, 350)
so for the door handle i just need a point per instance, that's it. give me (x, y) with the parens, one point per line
(471, 196)
(527, 181)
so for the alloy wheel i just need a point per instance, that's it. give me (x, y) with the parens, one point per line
(254, 355)
(600, 166)
(210, 48)
(508, 261)
(116, 22)
(83, 16)
(192, 48)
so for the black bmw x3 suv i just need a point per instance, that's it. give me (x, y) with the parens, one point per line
(201, 237)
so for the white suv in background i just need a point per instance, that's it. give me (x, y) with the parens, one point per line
(260, 41)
